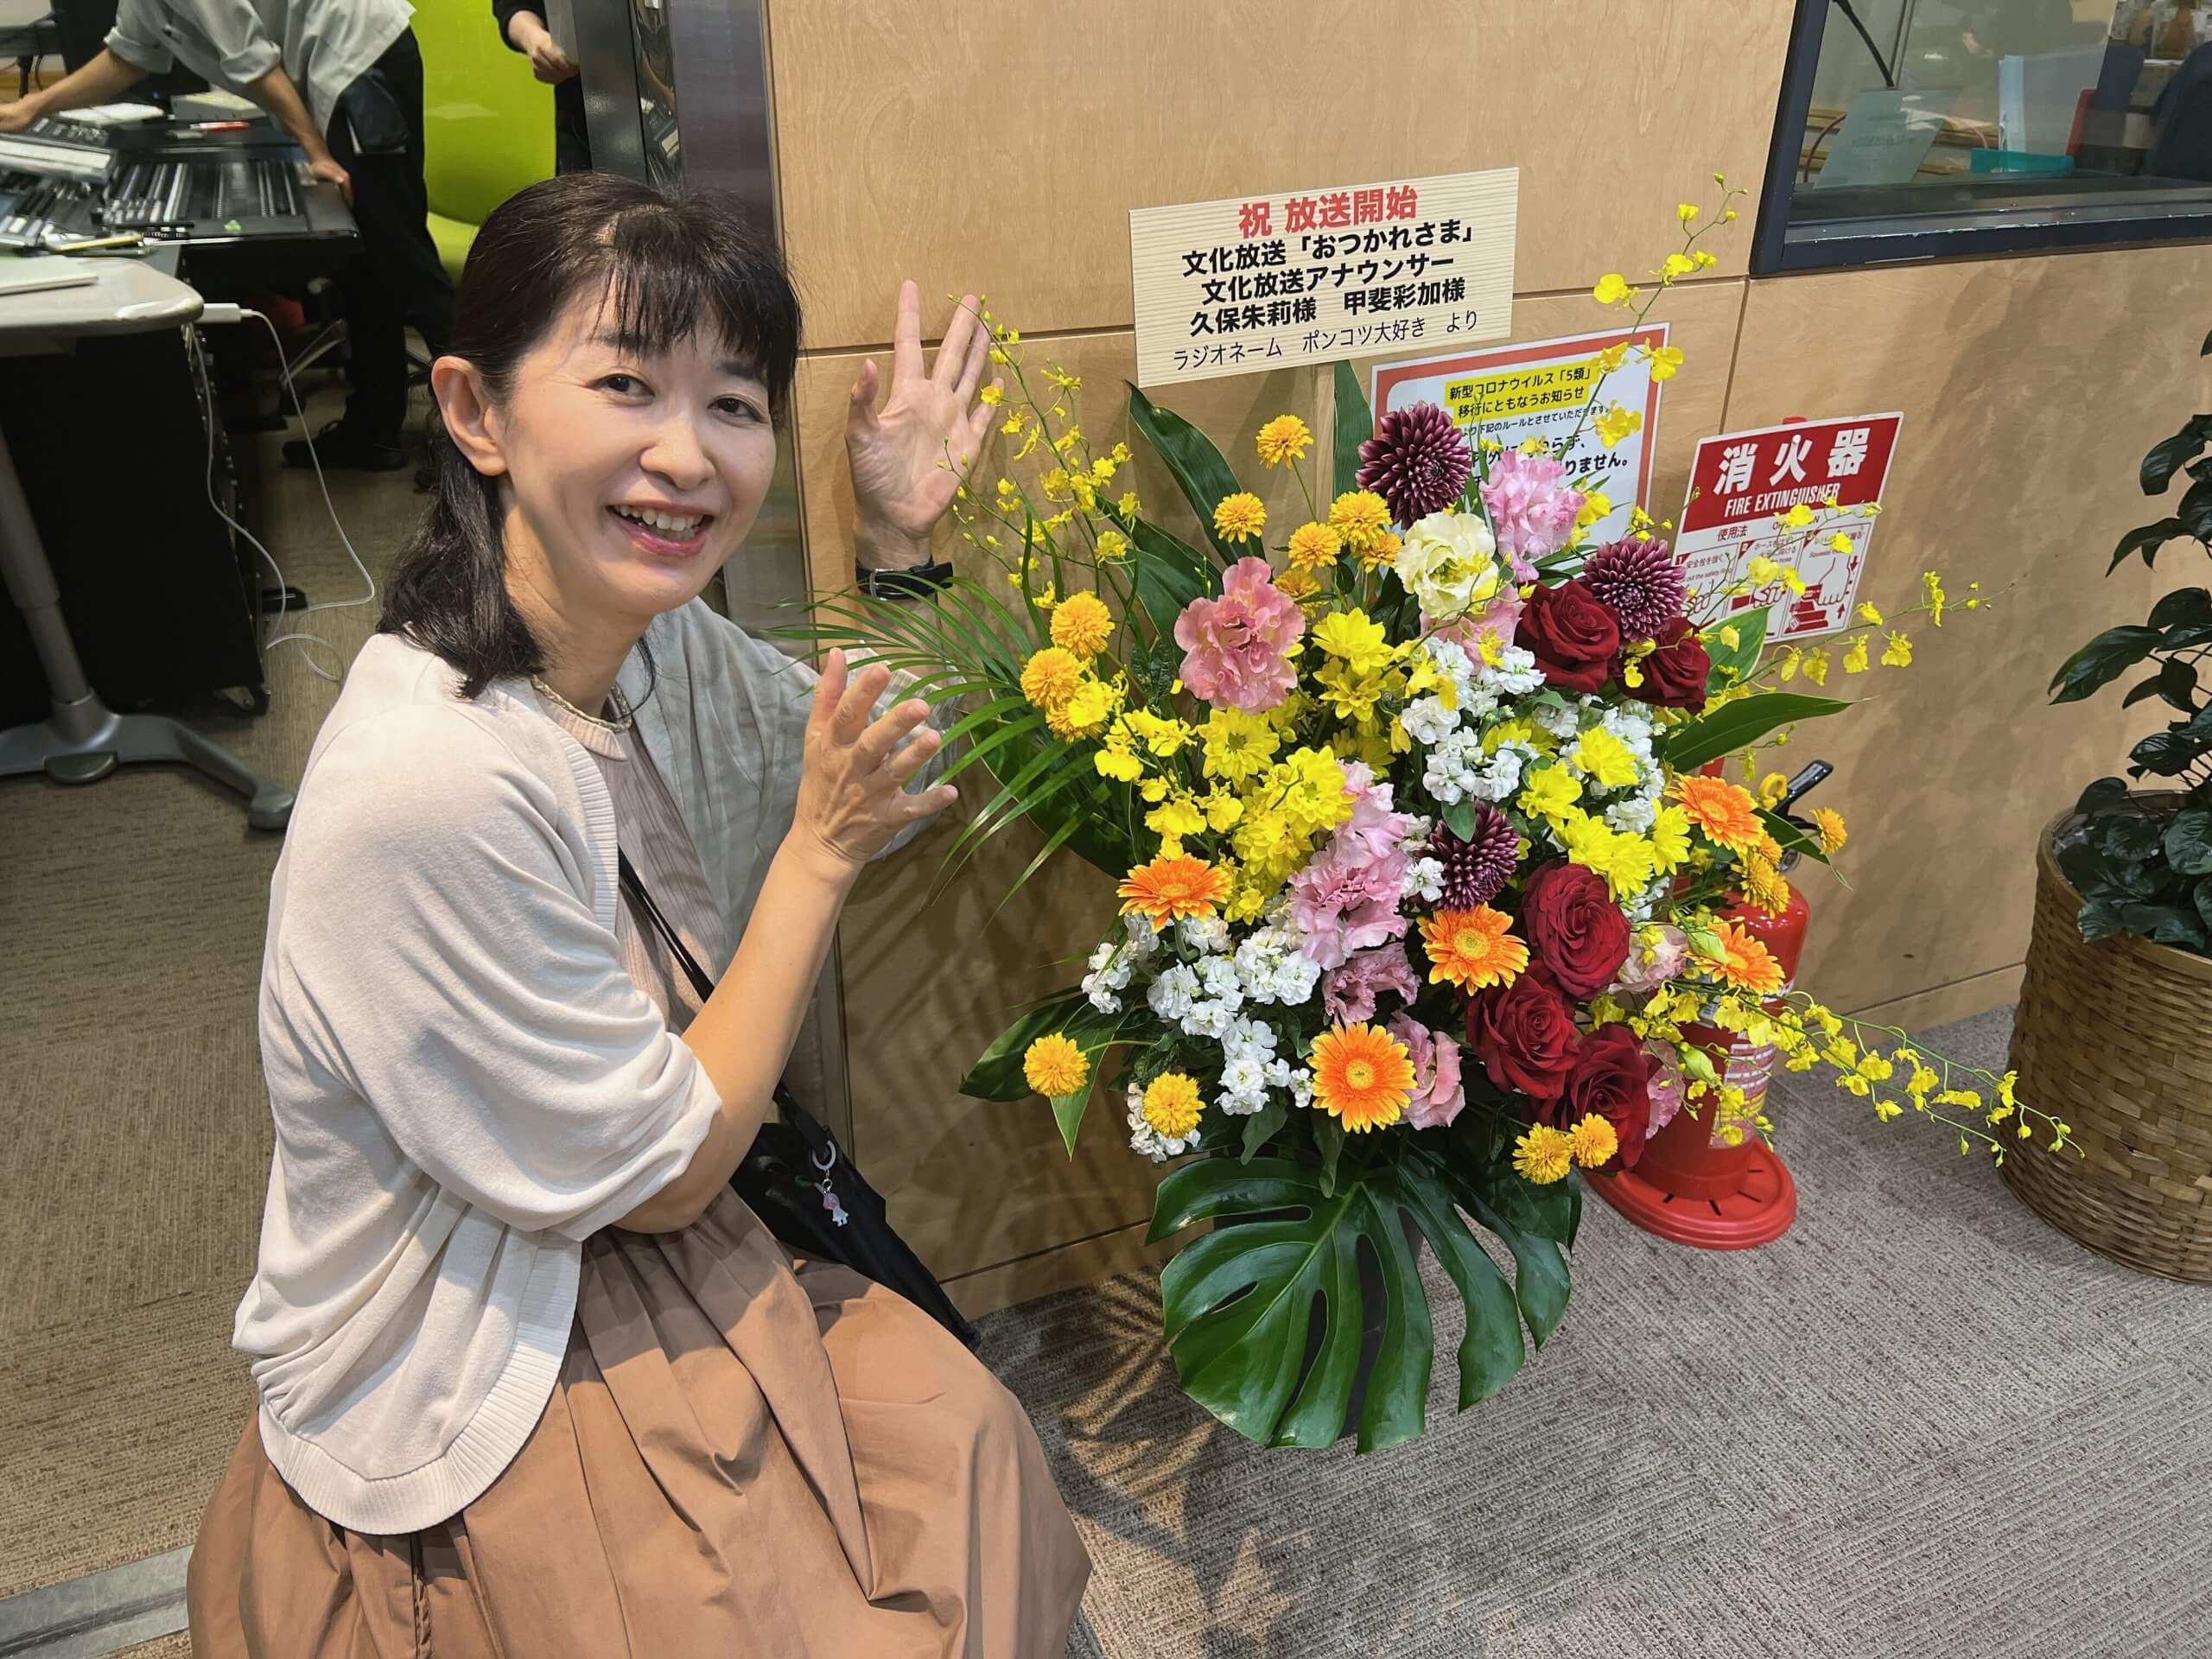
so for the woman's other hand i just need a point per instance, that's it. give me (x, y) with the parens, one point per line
(530, 37)
(909, 456)
(852, 787)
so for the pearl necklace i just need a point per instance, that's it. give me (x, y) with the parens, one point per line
(624, 717)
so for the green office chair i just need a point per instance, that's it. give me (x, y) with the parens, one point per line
(487, 122)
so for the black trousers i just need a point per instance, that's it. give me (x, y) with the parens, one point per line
(396, 279)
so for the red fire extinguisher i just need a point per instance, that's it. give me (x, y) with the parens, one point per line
(1702, 1180)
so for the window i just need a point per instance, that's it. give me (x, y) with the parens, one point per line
(1923, 129)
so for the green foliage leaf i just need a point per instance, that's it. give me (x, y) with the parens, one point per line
(1737, 724)
(2145, 539)
(1541, 1283)
(2101, 796)
(2181, 608)
(2164, 923)
(2167, 456)
(1459, 819)
(1262, 1127)
(1793, 838)
(1355, 425)
(1191, 460)
(2101, 661)
(2187, 840)
(2196, 510)
(1238, 1303)
(1733, 663)
(2098, 920)
(2084, 866)
(2169, 754)
(2128, 837)
(2203, 900)
(1168, 574)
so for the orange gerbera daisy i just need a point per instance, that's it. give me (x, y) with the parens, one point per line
(1748, 965)
(1471, 949)
(1724, 811)
(1363, 1076)
(1168, 889)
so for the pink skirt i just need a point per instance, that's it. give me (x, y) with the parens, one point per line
(743, 1456)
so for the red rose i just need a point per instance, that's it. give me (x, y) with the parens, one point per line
(1612, 1078)
(1524, 1033)
(1575, 927)
(1575, 634)
(1675, 675)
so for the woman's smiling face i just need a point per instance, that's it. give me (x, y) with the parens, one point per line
(634, 475)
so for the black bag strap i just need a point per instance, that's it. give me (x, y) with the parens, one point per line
(701, 981)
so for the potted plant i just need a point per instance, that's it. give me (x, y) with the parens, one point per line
(2114, 1032)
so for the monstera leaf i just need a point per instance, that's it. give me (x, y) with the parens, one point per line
(1266, 1314)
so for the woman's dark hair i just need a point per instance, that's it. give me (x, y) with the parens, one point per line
(665, 267)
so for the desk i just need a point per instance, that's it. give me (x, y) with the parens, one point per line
(82, 741)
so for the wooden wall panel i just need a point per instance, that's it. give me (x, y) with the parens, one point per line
(2031, 388)
(1001, 143)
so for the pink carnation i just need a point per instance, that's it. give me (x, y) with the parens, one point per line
(1234, 645)
(1665, 1087)
(1345, 901)
(1497, 620)
(1653, 959)
(1532, 510)
(1437, 1093)
(1373, 828)
(1348, 993)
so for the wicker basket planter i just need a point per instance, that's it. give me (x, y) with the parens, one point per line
(2115, 1038)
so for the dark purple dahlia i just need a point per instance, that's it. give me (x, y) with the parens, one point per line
(1640, 583)
(1417, 461)
(1475, 870)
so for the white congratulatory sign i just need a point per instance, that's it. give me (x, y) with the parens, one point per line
(1249, 283)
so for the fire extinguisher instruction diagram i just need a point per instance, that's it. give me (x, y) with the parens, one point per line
(1741, 481)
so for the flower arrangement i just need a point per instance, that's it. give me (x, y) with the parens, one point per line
(1434, 901)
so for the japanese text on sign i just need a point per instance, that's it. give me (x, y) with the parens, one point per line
(1545, 389)
(1316, 275)
(1741, 481)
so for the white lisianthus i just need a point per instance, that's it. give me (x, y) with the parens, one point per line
(1449, 563)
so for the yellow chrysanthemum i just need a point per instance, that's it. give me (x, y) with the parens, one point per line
(1829, 823)
(1726, 812)
(1361, 519)
(1298, 584)
(1050, 677)
(1312, 545)
(1240, 517)
(1543, 1155)
(1055, 1066)
(1169, 889)
(1595, 1141)
(1172, 1104)
(1083, 625)
(1670, 839)
(1239, 746)
(1551, 792)
(1472, 949)
(1356, 639)
(1382, 551)
(1284, 438)
(1608, 762)
(1363, 1076)
(1764, 887)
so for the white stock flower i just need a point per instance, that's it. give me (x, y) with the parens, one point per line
(1173, 992)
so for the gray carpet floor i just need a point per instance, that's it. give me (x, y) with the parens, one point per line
(1921, 1425)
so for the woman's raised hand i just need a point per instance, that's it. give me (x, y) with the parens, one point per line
(912, 455)
(851, 788)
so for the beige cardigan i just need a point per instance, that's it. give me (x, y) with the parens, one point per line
(465, 1083)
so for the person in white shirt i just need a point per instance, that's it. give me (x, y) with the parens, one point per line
(533, 1379)
(345, 79)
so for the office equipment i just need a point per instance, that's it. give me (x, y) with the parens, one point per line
(82, 740)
